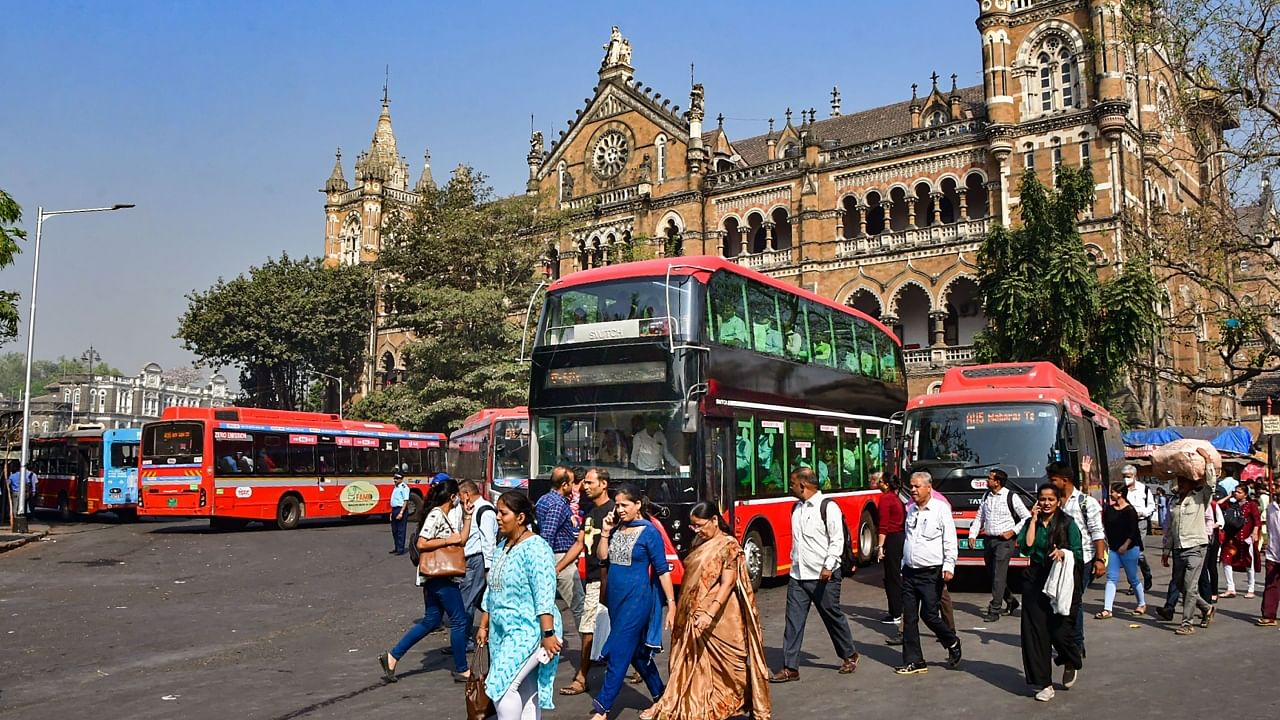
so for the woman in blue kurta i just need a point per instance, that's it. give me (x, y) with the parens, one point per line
(519, 615)
(637, 584)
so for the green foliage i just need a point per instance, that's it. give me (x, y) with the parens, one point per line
(13, 368)
(460, 276)
(1043, 299)
(10, 234)
(281, 322)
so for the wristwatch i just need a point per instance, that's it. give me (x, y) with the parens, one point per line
(549, 633)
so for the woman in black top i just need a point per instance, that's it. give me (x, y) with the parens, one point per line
(1124, 539)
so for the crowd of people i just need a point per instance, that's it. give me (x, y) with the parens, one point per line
(596, 549)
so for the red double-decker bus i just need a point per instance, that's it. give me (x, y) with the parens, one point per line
(1018, 417)
(492, 449)
(233, 465)
(698, 379)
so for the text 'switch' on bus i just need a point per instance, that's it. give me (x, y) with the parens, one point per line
(698, 379)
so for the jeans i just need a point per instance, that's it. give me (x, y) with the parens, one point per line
(997, 555)
(922, 600)
(398, 528)
(439, 595)
(472, 588)
(1129, 561)
(801, 595)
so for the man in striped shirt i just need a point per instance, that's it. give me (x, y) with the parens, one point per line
(999, 518)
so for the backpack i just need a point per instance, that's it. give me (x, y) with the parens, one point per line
(848, 561)
(1232, 518)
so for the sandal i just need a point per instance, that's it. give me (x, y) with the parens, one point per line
(651, 713)
(1140, 610)
(1208, 616)
(1185, 630)
(577, 687)
(1227, 595)
(1104, 615)
(1265, 622)
(1249, 596)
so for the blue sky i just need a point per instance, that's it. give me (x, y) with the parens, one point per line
(219, 119)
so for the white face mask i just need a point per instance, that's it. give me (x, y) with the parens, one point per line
(1129, 479)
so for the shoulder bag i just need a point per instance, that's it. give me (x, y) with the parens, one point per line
(446, 562)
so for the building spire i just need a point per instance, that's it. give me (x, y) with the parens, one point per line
(425, 181)
(382, 160)
(337, 181)
(386, 85)
(835, 101)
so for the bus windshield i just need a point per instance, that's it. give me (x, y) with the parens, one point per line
(124, 455)
(622, 309)
(173, 443)
(643, 446)
(1019, 438)
(510, 451)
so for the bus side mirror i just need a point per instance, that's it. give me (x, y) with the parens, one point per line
(892, 435)
(1071, 434)
(691, 418)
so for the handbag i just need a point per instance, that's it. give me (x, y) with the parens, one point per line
(479, 706)
(446, 562)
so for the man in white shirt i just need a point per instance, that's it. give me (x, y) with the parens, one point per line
(649, 449)
(1000, 516)
(478, 550)
(817, 544)
(1144, 503)
(1087, 513)
(928, 562)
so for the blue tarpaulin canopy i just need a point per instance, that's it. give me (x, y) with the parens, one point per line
(1231, 439)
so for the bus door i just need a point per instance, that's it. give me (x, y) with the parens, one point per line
(718, 480)
(81, 467)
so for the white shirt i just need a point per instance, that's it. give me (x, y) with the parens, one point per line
(815, 546)
(1273, 533)
(1142, 499)
(993, 516)
(1088, 519)
(437, 525)
(931, 537)
(648, 451)
(484, 532)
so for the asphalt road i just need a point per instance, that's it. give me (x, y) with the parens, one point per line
(169, 620)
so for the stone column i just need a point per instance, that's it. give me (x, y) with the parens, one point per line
(887, 206)
(937, 208)
(721, 236)
(963, 212)
(937, 329)
(862, 219)
(770, 243)
(911, 212)
(744, 235)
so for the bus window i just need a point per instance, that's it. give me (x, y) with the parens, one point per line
(232, 453)
(411, 461)
(388, 458)
(794, 329)
(846, 345)
(511, 452)
(771, 478)
(124, 455)
(302, 459)
(800, 447)
(744, 450)
(868, 347)
(821, 334)
(270, 454)
(890, 358)
(173, 443)
(366, 460)
(828, 453)
(547, 447)
(873, 453)
(727, 311)
(765, 332)
(851, 459)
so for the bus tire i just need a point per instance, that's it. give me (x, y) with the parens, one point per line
(288, 512)
(867, 539)
(64, 507)
(413, 507)
(756, 555)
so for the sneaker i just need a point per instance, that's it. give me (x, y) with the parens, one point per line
(953, 655)
(916, 668)
(1069, 676)
(894, 641)
(1164, 613)
(991, 616)
(1045, 694)
(890, 620)
(1012, 607)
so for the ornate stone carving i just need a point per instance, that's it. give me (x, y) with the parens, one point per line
(609, 156)
(618, 50)
(696, 110)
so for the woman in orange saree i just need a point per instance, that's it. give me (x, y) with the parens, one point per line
(717, 649)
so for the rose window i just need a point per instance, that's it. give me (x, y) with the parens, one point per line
(610, 154)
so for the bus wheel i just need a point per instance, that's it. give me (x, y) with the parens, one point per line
(64, 507)
(754, 552)
(867, 538)
(288, 512)
(413, 507)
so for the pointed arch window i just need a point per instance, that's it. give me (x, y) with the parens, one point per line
(936, 118)
(1067, 76)
(561, 169)
(661, 146)
(1046, 82)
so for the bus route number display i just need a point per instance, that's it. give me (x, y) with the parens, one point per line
(614, 374)
(975, 418)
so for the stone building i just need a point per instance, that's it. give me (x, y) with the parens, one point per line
(354, 217)
(884, 209)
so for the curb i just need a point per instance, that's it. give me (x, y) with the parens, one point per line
(21, 540)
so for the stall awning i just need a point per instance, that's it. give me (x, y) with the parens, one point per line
(1233, 439)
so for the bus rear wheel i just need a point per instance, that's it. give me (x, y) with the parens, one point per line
(288, 512)
(753, 551)
(413, 507)
(867, 538)
(64, 507)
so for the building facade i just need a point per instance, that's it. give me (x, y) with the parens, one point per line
(884, 209)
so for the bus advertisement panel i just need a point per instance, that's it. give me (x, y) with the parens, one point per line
(492, 450)
(234, 465)
(86, 470)
(698, 379)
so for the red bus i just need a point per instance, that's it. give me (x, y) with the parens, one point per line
(492, 449)
(233, 465)
(86, 470)
(698, 379)
(1018, 417)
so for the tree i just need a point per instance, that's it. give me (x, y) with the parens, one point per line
(13, 368)
(1223, 258)
(279, 323)
(184, 375)
(10, 234)
(1044, 300)
(458, 273)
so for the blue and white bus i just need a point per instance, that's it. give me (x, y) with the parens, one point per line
(87, 470)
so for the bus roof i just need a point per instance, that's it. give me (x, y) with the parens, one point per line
(1010, 382)
(700, 267)
(296, 419)
(486, 416)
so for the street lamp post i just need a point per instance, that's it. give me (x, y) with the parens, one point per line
(90, 356)
(18, 518)
(333, 377)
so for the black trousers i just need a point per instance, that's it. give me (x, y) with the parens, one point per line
(1043, 630)
(997, 554)
(922, 600)
(893, 571)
